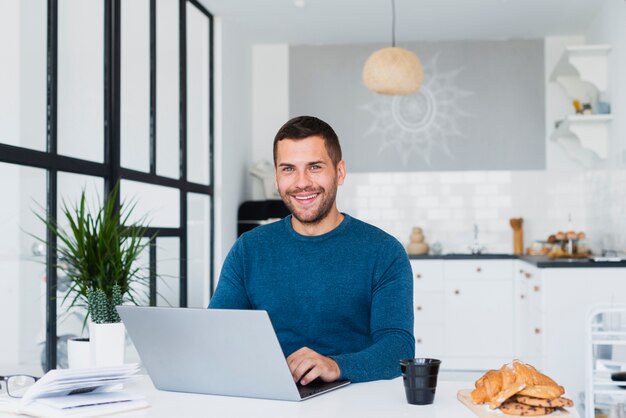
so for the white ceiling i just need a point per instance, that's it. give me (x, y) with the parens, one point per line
(363, 21)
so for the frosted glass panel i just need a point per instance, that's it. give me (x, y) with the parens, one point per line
(22, 278)
(168, 88)
(70, 187)
(141, 289)
(70, 320)
(198, 95)
(81, 79)
(198, 249)
(23, 73)
(159, 205)
(168, 285)
(135, 85)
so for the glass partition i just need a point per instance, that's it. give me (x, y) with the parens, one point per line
(135, 85)
(167, 261)
(22, 261)
(52, 96)
(198, 96)
(159, 205)
(81, 79)
(167, 88)
(198, 249)
(23, 73)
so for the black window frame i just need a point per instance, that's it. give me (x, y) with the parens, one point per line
(111, 170)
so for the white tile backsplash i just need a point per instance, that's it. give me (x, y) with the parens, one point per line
(447, 205)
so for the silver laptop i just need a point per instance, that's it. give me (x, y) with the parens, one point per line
(215, 351)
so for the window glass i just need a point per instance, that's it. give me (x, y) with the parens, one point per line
(71, 319)
(70, 186)
(168, 88)
(198, 250)
(135, 85)
(81, 79)
(168, 271)
(198, 95)
(23, 73)
(22, 261)
(158, 205)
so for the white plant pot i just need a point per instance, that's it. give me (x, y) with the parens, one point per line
(78, 353)
(107, 344)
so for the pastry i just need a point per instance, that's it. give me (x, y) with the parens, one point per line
(551, 403)
(499, 388)
(543, 391)
(516, 408)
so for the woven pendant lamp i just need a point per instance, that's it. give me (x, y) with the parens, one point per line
(393, 71)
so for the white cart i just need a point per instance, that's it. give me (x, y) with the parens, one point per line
(605, 354)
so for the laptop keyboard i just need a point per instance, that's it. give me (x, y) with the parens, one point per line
(316, 387)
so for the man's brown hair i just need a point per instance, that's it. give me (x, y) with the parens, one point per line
(305, 126)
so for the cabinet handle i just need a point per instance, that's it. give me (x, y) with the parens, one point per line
(418, 276)
(419, 340)
(528, 275)
(522, 296)
(457, 292)
(419, 308)
(478, 269)
(537, 330)
(536, 288)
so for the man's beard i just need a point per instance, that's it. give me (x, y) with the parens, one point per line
(326, 203)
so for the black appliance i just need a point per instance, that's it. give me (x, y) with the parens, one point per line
(259, 212)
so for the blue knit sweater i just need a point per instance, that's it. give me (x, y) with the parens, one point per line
(347, 294)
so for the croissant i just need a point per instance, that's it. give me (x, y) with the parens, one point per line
(517, 377)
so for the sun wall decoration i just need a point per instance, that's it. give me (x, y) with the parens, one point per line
(418, 123)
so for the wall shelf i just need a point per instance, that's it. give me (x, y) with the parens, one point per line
(586, 131)
(582, 72)
(581, 66)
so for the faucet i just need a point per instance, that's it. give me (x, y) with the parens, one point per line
(476, 248)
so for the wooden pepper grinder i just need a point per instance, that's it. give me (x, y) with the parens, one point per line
(518, 235)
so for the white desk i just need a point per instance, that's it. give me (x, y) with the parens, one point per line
(384, 398)
(378, 399)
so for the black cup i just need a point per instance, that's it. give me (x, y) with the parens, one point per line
(420, 379)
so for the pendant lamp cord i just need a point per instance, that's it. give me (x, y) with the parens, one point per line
(393, 23)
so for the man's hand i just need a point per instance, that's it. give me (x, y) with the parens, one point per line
(306, 365)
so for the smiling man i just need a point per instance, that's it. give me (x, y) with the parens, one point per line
(339, 291)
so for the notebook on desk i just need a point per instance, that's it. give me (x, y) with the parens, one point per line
(215, 351)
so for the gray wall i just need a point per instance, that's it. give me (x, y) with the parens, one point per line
(232, 149)
(481, 106)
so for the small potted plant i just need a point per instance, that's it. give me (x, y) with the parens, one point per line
(98, 253)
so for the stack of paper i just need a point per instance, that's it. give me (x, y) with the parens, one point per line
(78, 393)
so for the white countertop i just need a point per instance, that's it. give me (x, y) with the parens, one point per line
(383, 398)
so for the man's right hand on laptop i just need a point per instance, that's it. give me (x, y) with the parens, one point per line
(307, 365)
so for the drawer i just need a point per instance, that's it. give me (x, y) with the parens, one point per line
(478, 269)
(428, 307)
(428, 340)
(427, 275)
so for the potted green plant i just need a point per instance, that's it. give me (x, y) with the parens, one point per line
(98, 253)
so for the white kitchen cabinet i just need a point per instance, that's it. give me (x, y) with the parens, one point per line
(427, 275)
(564, 299)
(464, 312)
(479, 313)
(479, 318)
(428, 307)
(529, 310)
